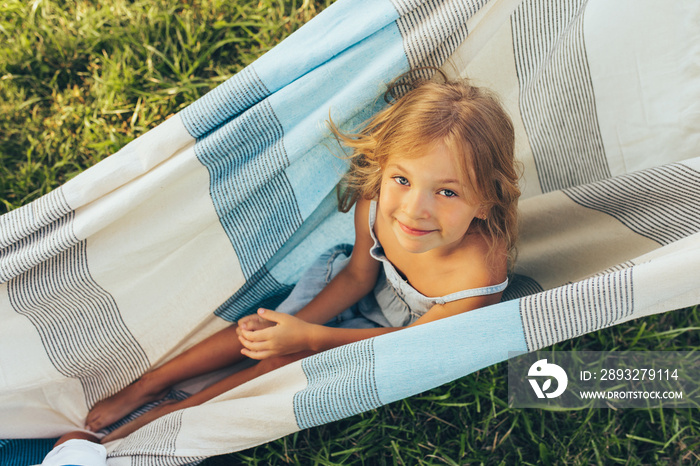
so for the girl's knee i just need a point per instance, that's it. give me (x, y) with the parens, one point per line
(270, 364)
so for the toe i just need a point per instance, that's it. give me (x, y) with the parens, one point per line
(92, 423)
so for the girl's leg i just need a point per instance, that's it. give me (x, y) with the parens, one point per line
(216, 352)
(207, 394)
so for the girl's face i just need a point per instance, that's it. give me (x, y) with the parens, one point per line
(425, 202)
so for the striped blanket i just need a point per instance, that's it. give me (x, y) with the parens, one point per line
(220, 208)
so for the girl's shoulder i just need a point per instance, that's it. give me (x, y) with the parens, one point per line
(362, 221)
(480, 263)
(475, 265)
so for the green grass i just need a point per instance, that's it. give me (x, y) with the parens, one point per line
(80, 79)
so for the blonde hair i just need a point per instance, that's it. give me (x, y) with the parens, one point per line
(469, 121)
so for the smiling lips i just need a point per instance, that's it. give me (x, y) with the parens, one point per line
(413, 231)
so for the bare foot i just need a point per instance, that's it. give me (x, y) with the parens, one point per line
(112, 409)
(161, 410)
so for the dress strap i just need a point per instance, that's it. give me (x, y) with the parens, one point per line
(486, 290)
(376, 249)
(372, 215)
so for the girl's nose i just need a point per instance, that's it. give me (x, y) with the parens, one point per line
(416, 204)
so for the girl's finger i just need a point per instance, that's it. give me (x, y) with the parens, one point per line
(256, 354)
(256, 345)
(243, 341)
(246, 343)
(257, 335)
(271, 316)
(244, 320)
(243, 333)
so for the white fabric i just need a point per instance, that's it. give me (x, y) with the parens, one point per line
(76, 452)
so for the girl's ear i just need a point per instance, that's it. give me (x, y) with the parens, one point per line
(482, 213)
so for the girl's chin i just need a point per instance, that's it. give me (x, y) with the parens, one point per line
(414, 246)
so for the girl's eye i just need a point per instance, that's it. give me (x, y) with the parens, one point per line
(401, 180)
(447, 193)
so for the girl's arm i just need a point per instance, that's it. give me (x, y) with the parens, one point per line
(322, 338)
(352, 283)
(292, 335)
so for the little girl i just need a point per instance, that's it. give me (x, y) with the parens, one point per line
(435, 191)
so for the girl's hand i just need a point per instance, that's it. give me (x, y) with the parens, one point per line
(289, 335)
(252, 323)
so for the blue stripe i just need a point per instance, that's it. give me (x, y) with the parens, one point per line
(23, 452)
(345, 86)
(350, 98)
(223, 103)
(340, 384)
(325, 228)
(261, 290)
(355, 378)
(337, 28)
(251, 194)
(414, 360)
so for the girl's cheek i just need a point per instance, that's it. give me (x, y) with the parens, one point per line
(385, 188)
(389, 191)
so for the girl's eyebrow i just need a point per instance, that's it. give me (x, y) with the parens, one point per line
(449, 181)
(395, 165)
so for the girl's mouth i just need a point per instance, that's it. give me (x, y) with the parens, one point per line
(413, 231)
